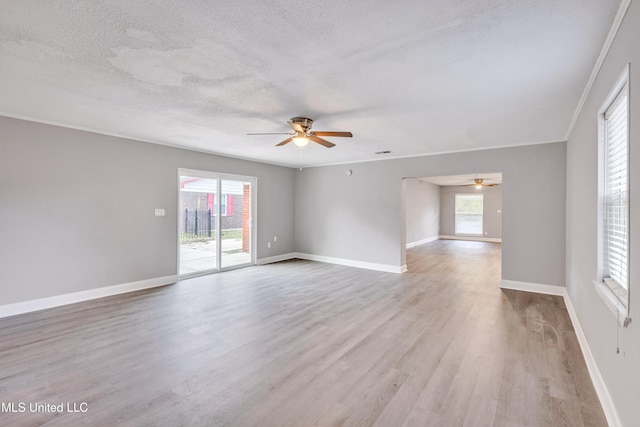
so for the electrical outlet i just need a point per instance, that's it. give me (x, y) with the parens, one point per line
(275, 238)
(159, 212)
(269, 245)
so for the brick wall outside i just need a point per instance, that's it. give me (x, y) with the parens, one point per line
(246, 217)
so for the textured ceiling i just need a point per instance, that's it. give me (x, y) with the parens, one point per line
(410, 76)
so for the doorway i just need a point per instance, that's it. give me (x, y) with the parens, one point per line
(216, 222)
(454, 207)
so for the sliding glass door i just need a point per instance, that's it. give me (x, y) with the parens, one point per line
(235, 222)
(197, 225)
(215, 228)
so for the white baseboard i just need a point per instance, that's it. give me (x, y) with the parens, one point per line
(533, 287)
(276, 258)
(64, 299)
(353, 263)
(473, 238)
(331, 260)
(422, 242)
(610, 412)
(606, 401)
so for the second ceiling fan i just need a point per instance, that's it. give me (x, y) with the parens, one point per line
(478, 183)
(302, 133)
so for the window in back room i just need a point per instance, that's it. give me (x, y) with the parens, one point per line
(468, 212)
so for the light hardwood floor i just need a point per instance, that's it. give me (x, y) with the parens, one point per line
(300, 343)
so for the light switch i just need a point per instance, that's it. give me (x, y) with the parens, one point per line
(159, 212)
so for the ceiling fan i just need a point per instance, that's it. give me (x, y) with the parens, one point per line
(302, 133)
(478, 183)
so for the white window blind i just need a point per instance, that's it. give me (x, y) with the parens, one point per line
(615, 228)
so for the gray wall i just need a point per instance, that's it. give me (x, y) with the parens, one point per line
(621, 372)
(422, 213)
(361, 217)
(77, 208)
(492, 220)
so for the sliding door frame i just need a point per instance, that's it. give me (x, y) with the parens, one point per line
(219, 177)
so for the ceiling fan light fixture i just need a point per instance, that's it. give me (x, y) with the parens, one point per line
(302, 135)
(300, 141)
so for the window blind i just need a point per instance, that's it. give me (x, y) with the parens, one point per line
(615, 203)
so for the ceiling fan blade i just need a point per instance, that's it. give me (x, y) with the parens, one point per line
(286, 141)
(322, 141)
(323, 133)
(270, 133)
